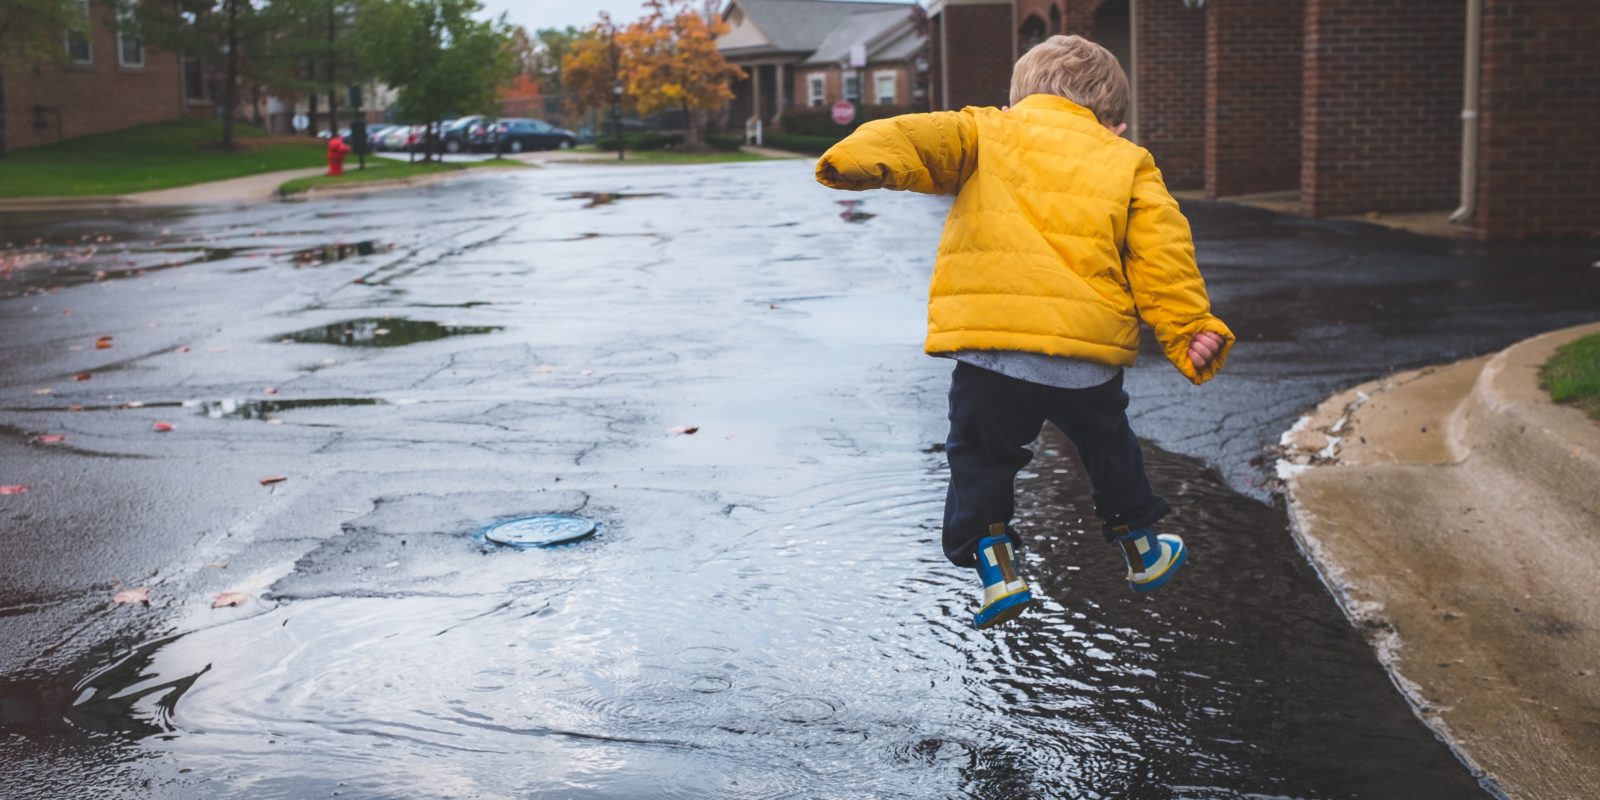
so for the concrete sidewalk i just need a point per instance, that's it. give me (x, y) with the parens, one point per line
(1454, 512)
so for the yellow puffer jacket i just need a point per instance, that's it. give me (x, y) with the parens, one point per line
(1061, 239)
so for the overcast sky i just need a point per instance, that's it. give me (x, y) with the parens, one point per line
(536, 14)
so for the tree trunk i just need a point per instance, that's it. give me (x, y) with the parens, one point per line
(2, 112)
(230, 87)
(311, 99)
(691, 129)
(333, 97)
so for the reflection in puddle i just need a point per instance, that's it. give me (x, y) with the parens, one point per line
(385, 332)
(607, 198)
(852, 212)
(229, 408)
(339, 251)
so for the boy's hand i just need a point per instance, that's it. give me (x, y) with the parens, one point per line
(1204, 347)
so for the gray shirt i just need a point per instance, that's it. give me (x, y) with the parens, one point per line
(1057, 371)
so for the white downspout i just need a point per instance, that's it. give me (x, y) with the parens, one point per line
(1469, 115)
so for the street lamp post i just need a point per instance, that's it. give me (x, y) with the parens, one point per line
(616, 115)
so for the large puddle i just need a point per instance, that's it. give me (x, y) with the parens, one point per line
(385, 332)
(804, 656)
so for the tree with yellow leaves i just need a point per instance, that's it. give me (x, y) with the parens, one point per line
(669, 59)
(591, 68)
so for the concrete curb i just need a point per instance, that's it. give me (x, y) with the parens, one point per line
(369, 187)
(1511, 419)
(1448, 510)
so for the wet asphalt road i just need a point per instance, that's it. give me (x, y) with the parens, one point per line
(765, 612)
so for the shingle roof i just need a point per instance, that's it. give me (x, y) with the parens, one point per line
(801, 26)
(872, 28)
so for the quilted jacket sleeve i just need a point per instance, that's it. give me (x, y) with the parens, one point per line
(1166, 282)
(929, 153)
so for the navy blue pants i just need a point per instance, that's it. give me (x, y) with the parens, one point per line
(994, 418)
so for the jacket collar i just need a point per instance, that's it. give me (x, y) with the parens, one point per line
(1053, 102)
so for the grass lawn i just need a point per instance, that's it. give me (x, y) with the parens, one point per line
(1573, 375)
(158, 156)
(387, 169)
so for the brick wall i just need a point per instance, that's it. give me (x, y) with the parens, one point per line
(1539, 160)
(1253, 95)
(979, 56)
(1382, 109)
(93, 98)
(1172, 90)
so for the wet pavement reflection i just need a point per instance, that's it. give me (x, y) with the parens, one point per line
(765, 612)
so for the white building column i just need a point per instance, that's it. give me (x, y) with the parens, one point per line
(780, 85)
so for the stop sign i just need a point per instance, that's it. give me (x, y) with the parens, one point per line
(843, 112)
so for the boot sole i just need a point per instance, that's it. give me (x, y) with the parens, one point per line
(1003, 610)
(1161, 580)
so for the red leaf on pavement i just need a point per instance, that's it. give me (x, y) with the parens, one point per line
(229, 599)
(685, 429)
(82, 376)
(13, 489)
(50, 438)
(183, 348)
(103, 343)
(132, 597)
(270, 390)
(161, 427)
(271, 479)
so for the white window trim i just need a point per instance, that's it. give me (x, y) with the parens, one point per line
(877, 83)
(88, 36)
(816, 88)
(122, 56)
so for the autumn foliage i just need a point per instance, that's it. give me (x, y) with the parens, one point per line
(666, 60)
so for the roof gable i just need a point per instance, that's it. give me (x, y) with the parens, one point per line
(797, 26)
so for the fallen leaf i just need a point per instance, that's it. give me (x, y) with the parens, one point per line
(685, 429)
(183, 348)
(545, 369)
(218, 564)
(328, 362)
(74, 407)
(13, 489)
(380, 332)
(271, 479)
(270, 390)
(586, 372)
(132, 597)
(49, 438)
(772, 306)
(273, 421)
(161, 427)
(44, 391)
(135, 404)
(229, 599)
(82, 376)
(103, 343)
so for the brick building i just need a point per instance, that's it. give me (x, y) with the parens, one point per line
(809, 53)
(1349, 105)
(107, 80)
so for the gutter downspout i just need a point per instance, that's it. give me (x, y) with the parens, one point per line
(1469, 115)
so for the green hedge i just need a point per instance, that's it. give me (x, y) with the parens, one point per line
(819, 121)
(726, 142)
(794, 143)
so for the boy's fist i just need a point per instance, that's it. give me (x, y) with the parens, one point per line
(1204, 347)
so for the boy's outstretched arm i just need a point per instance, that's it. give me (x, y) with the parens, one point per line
(1166, 282)
(929, 153)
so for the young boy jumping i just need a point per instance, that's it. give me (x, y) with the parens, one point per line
(1062, 238)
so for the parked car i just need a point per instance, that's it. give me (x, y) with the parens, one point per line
(455, 137)
(518, 135)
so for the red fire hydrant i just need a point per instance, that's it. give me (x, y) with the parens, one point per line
(337, 150)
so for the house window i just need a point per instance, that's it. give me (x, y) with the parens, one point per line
(79, 47)
(814, 87)
(883, 86)
(130, 45)
(194, 79)
(852, 87)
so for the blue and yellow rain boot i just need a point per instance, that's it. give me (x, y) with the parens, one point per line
(1005, 594)
(1151, 559)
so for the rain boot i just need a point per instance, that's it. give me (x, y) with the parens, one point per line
(1005, 594)
(1151, 559)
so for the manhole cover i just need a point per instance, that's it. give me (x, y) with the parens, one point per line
(542, 530)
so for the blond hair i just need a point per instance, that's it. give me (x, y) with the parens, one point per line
(1077, 69)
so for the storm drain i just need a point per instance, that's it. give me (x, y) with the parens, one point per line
(539, 530)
